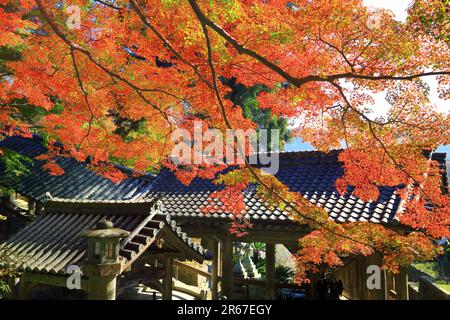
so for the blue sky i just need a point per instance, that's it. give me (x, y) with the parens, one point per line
(299, 145)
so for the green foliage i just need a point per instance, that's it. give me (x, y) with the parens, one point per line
(443, 264)
(258, 249)
(261, 267)
(4, 289)
(246, 98)
(15, 165)
(22, 111)
(284, 274)
(170, 3)
(436, 21)
(438, 269)
(8, 54)
(259, 246)
(31, 114)
(6, 270)
(129, 129)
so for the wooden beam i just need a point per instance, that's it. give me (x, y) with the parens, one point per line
(215, 271)
(401, 282)
(167, 280)
(219, 257)
(174, 240)
(175, 271)
(137, 277)
(270, 271)
(52, 280)
(192, 269)
(254, 234)
(227, 269)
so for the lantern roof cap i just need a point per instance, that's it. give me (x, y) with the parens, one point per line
(104, 224)
(105, 233)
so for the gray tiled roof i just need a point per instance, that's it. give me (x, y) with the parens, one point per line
(313, 174)
(78, 182)
(51, 243)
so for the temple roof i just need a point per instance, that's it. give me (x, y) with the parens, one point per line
(52, 242)
(77, 183)
(313, 174)
(314, 181)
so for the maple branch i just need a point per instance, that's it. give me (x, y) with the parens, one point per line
(362, 51)
(248, 166)
(341, 52)
(109, 5)
(296, 81)
(85, 95)
(167, 43)
(239, 47)
(372, 131)
(88, 54)
(383, 77)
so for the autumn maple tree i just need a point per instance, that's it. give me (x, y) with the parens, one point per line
(116, 86)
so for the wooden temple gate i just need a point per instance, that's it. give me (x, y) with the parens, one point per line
(312, 174)
(109, 245)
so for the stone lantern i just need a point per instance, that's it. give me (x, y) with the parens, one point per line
(103, 265)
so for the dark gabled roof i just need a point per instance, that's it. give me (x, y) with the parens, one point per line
(77, 183)
(312, 173)
(445, 169)
(52, 242)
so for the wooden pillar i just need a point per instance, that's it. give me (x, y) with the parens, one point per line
(175, 271)
(219, 261)
(401, 284)
(270, 271)
(385, 284)
(227, 269)
(31, 206)
(167, 281)
(361, 274)
(38, 208)
(376, 294)
(311, 287)
(215, 271)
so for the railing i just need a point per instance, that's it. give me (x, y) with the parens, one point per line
(178, 265)
(191, 290)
